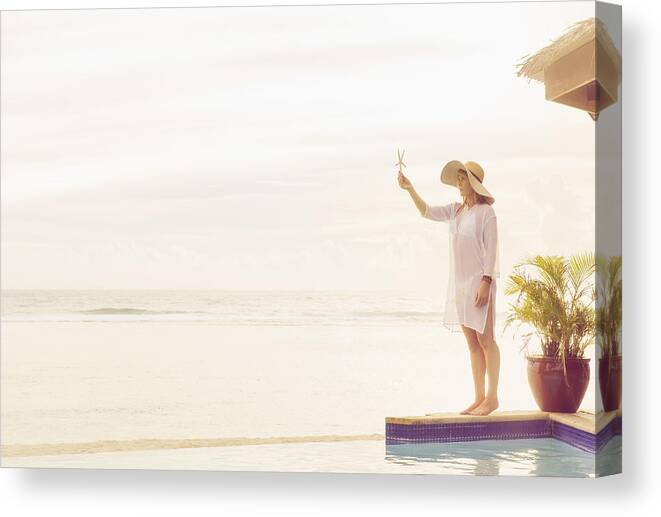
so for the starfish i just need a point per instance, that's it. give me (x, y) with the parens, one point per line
(400, 160)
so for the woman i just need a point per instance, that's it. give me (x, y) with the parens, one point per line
(474, 266)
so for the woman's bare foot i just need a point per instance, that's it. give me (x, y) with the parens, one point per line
(487, 406)
(472, 406)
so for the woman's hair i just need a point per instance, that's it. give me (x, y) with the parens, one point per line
(480, 199)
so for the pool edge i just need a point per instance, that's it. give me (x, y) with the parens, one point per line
(583, 430)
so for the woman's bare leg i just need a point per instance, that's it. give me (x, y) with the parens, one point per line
(492, 356)
(478, 366)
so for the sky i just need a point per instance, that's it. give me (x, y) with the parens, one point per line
(255, 148)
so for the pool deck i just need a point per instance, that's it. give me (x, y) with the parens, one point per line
(583, 430)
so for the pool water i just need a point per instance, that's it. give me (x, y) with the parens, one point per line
(533, 457)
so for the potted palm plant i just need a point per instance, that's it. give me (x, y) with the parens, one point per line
(555, 303)
(608, 329)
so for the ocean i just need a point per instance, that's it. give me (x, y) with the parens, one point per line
(91, 366)
(310, 308)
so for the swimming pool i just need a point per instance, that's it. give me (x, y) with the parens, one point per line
(529, 457)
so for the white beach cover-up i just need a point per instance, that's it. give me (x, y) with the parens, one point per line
(473, 236)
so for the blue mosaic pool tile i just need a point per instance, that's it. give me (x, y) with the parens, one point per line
(613, 428)
(464, 432)
(511, 430)
(585, 440)
(581, 439)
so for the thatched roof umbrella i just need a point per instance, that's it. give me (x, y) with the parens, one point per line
(582, 68)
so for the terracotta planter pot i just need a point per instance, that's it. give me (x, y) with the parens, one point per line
(610, 381)
(551, 389)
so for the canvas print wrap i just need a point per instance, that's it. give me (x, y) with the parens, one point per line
(359, 238)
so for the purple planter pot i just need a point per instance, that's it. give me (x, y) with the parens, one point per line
(553, 391)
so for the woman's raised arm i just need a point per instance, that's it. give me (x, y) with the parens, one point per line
(419, 202)
(435, 213)
(406, 184)
(439, 212)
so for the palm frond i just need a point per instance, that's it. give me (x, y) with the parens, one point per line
(609, 304)
(555, 296)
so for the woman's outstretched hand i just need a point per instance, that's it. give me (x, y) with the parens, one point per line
(404, 182)
(482, 294)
